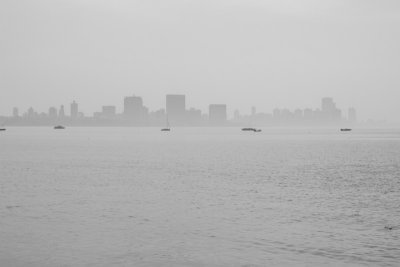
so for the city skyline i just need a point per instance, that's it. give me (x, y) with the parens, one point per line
(134, 112)
(246, 53)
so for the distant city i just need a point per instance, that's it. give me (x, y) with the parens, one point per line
(135, 113)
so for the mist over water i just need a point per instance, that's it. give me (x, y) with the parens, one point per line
(243, 53)
(199, 197)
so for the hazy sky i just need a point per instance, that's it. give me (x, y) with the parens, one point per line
(266, 53)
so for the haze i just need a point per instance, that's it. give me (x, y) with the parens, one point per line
(282, 53)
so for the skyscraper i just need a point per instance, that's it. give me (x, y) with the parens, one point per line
(52, 112)
(176, 109)
(217, 114)
(108, 111)
(61, 112)
(329, 111)
(15, 112)
(134, 109)
(253, 111)
(352, 115)
(74, 110)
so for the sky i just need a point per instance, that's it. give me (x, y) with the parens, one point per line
(243, 53)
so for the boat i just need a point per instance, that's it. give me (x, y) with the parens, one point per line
(59, 127)
(251, 130)
(2, 129)
(248, 129)
(168, 128)
(345, 130)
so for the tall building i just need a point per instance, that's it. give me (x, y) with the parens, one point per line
(217, 114)
(134, 109)
(193, 116)
(61, 112)
(31, 113)
(15, 112)
(108, 111)
(253, 111)
(352, 115)
(74, 110)
(329, 111)
(176, 109)
(236, 115)
(52, 112)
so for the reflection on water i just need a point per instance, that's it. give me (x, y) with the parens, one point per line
(199, 197)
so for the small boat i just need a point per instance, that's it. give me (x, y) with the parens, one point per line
(168, 128)
(2, 129)
(59, 127)
(251, 130)
(345, 130)
(248, 129)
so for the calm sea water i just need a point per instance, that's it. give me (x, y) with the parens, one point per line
(199, 197)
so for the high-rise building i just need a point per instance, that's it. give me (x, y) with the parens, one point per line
(176, 109)
(52, 112)
(193, 116)
(15, 112)
(327, 104)
(217, 114)
(253, 111)
(31, 113)
(61, 112)
(108, 111)
(134, 109)
(329, 111)
(74, 110)
(308, 114)
(352, 115)
(236, 115)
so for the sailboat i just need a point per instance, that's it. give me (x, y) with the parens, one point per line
(168, 128)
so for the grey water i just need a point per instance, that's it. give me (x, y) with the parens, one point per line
(199, 197)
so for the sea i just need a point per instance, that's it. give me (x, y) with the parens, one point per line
(199, 197)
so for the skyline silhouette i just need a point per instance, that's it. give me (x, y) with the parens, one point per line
(136, 113)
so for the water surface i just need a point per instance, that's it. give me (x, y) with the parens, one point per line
(199, 197)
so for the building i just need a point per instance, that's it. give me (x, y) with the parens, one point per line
(15, 113)
(108, 111)
(253, 111)
(352, 115)
(194, 116)
(134, 109)
(74, 110)
(329, 111)
(176, 109)
(61, 112)
(308, 114)
(31, 113)
(236, 115)
(217, 114)
(52, 112)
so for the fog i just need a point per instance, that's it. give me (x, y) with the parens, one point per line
(268, 54)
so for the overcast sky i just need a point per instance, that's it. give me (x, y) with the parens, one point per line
(266, 53)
